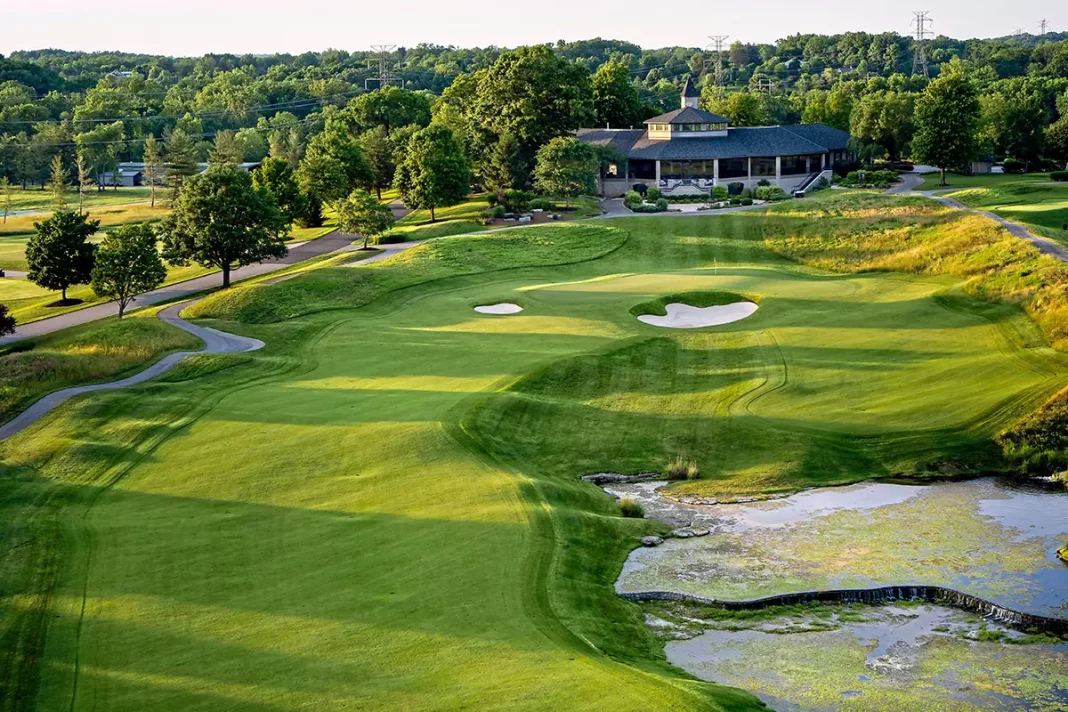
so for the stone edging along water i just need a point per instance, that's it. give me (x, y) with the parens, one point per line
(882, 594)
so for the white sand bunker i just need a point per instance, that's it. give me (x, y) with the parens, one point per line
(502, 308)
(683, 316)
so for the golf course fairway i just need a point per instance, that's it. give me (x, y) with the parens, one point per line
(382, 510)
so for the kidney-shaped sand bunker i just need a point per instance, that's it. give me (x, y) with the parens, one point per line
(502, 308)
(694, 310)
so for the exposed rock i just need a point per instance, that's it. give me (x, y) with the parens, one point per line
(604, 478)
(652, 541)
(683, 533)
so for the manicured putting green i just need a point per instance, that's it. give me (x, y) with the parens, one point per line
(381, 510)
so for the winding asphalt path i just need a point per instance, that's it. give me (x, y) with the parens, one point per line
(297, 253)
(215, 342)
(911, 181)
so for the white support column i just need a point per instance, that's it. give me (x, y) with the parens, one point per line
(715, 171)
(658, 174)
(778, 167)
(823, 161)
(749, 169)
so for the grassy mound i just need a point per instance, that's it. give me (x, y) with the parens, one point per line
(346, 288)
(658, 306)
(99, 351)
(873, 232)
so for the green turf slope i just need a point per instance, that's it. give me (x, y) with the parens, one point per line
(381, 510)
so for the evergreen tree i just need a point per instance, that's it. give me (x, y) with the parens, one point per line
(225, 151)
(57, 184)
(155, 168)
(85, 180)
(6, 196)
(181, 161)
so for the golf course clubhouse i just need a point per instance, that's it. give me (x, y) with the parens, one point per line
(690, 151)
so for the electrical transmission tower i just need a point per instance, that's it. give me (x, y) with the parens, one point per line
(920, 23)
(717, 47)
(383, 59)
(1042, 27)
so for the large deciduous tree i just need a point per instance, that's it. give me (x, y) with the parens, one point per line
(379, 150)
(99, 146)
(947, 120)
(615, 97)
(567, 167)
(334, 165)
(1057, 141)
(390, 107)
(434, 173)
(127, 264)
(535, 95)
(363, 214)
(1013, 121)
(884, 118)
(278, 177)
(7, 322)
(221, 220)
(59, 254)
(743, 108)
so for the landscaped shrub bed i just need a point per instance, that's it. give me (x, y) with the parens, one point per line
(869, 179)
(1059, 176)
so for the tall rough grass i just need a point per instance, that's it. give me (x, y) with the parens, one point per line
(97, 352)
(872, 232)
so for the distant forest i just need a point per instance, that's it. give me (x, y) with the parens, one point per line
(54, 100)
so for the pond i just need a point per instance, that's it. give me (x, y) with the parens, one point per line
(983, 537)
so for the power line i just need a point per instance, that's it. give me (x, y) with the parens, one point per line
(385, 66)
(291, 104)
(73, 144)
(717, 41)
(920, 22)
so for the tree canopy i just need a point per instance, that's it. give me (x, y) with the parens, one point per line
(947, 121)
(434, 173)
(363, 214)
(60, 255)
(221, 220)
(127, 264)
(567, 167)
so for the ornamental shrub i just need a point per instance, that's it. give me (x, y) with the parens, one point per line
(661, 205)
(735, 188)
(1059, 176)
(1014, 165)
(632, 199)
(542, 204)
(680, 469)
(719, 193)
(652, 195)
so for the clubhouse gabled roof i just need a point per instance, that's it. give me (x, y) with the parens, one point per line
(688, 115)
(757, 142)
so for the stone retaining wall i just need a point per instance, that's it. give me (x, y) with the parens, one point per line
(883, 594)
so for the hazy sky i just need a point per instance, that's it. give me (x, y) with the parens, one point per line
(193, 27)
